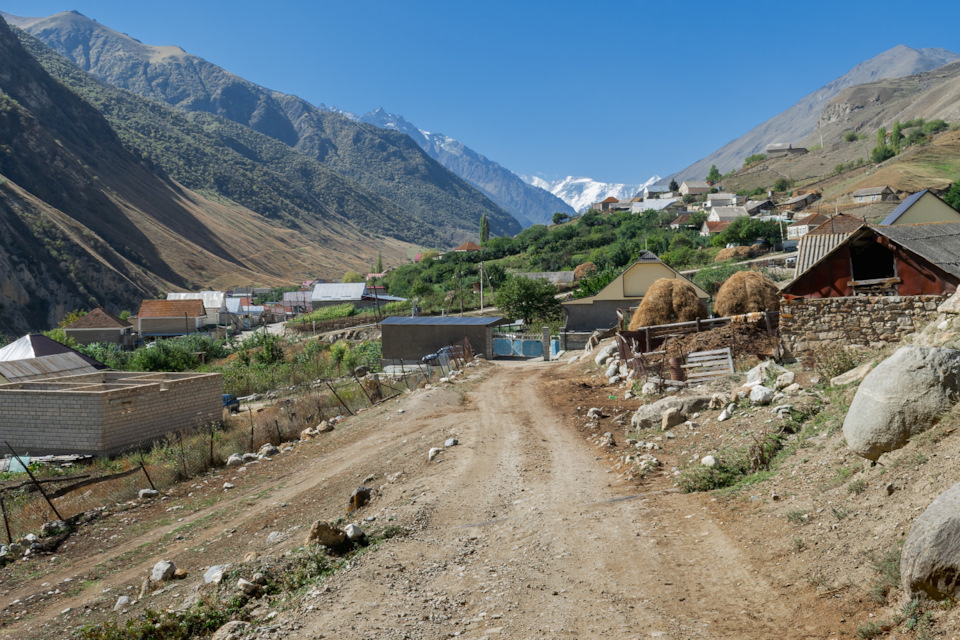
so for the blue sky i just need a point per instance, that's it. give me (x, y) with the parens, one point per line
(616, 91)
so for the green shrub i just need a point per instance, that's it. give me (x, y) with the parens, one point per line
(332, 312)
(851, 136)
(756, 157)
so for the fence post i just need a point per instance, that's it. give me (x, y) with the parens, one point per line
(276, 423)
(646, 333)
(183, 459)
(39, 486)
(250, 413)
(144, 469)
(6, 523)
(546, 344)
(338, 397)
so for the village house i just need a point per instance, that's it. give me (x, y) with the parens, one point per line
(694, 187)
(654, 191)
(682, 221)
(922, 207)
(468, 247)
(605, 204)
(723, 200)
(726, 214)
(297, 302)
(100, 326)
(664, 204)
(799, 202)
(168, 318)
(359, 294)
(599, 311)
(759, 207)
(779, 149)
(874, 194)
(212, 303)
(410, 338)
(713, 227)
(802, 226)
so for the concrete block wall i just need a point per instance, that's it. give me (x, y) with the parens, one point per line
(812, 324)
(39, 422)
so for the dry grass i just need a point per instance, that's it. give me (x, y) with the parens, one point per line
(747, 292)
(583, 269)
(668, 300)
(734, 253)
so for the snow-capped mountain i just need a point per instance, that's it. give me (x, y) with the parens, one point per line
(580, 193)
(527, 203)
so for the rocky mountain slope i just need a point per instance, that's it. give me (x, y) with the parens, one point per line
(799, 120)
(528, 203)
(580, 192)
(388, 163)
(87, 221)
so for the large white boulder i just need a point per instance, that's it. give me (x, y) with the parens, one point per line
(650, 416)
(904, 395)
(930, 559)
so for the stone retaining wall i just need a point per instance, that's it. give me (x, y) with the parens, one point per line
(810, 324)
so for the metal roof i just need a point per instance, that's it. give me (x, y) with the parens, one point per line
(813, 247)
(55, 366)
(445, 320)
(211, 299)
(37, 345)
(872, 191)
(937, 242)
(902, 209)
(728, 213)
(346, 292)
(659, 204)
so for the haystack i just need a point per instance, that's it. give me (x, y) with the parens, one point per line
(734, 253)
(747, 292)
(583, 269)
(668, 300)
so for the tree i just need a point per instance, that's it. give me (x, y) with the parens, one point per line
(782, 184)
(895, 137)
(673, 185)
(528, 299)
(379, 263)
(71, 317)
(484, 229)
(352, 276)
(952, 196)
(714, 175)
(560, 217)
(882, 151)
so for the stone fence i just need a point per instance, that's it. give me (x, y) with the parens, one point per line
(811, 324)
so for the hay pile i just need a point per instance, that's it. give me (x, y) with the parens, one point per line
(734, 253)
(668, 300)
(584, 269)
(747, 292)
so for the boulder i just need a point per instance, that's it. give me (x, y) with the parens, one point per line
(708, 461)
(594, 413)
(650, 416)
(269, 450)
(326, 535)
(451, 442)
(761, 395)
(249, 588)
(163, 571)
(612, 370)
(214, 575)
(353, 532)
(671, 418)
(930, 559)
(613, 380)
(235, 460)
(649, 389)
(308, 434)
(122, 601)
(227, 486)
(359, 498)
(784, 380)
(904, 395)
(233, 630)
(854, 375)
(324, 427)
(951, 304)
(605, 353)
(52, 528)
(249, 457)
(147, 494)
(764, 372)
(360, 371)
(433, 453)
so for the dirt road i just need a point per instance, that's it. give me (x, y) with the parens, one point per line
(519, 531)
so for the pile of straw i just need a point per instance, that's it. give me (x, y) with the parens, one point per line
(734, 253)
(584, 269)
(668, 300)
(747, 292)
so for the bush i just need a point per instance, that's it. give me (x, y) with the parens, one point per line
(782, 184)
(851, 136)
(326, 313)
(757, 157)
(833, 362)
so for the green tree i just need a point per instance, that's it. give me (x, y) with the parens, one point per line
(952, 196)
(379, 263)
(560, 217)
(71, 317)
(484, 229)
(673, 185)
(528, 299)
(882, 151)
(782, 184)
(714, 175)
(895, 137)
(352, 276)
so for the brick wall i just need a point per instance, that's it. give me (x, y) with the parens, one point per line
(42, 419)
(810, 324)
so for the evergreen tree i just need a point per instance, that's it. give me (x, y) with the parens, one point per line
(379, 263)
(674, 186)
(484, 229)
(895, 137)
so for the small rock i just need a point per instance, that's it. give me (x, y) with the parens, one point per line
(360, 371)
(324, 427)
(761, 395)
(854, 375)
(708, 461)
(726, 414)
(249, 588)
(594, 413)
(451, 442)
(613, 380)
(649, 388)
(122, 601)
(269, 450)
(890, 488)
(227, 486)
(784, 380)
(163, 571)
(146, 494)
(309, 434)
(180, 574)
(274, 537)
(671, 418)
(434, 452)
(612, 370)
(670, 435)
(249, 457)
(353, 532)
(214, 575)
(794, 388)
(359, 498)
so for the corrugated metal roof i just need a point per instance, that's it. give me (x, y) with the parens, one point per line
(814, 247)
(345, 292)
(728, 213)
(211, 299)
(55, 366)
(938, 242)
(871, 191)
(36, 346)
(445, 320)
(659, 204)
(902, 209)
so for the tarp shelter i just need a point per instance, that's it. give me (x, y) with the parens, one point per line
(410, 338)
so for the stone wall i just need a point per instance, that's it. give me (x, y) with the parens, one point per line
(810, 324)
